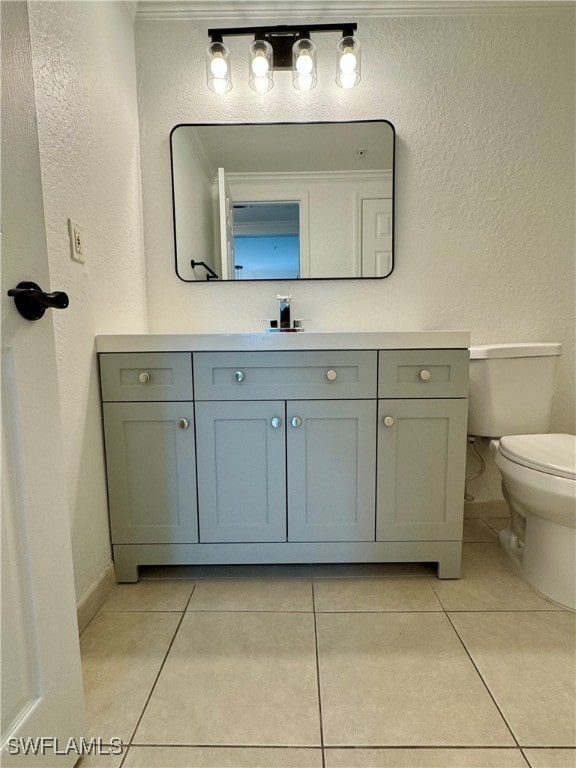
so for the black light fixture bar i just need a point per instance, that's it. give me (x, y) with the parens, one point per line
(281, 37)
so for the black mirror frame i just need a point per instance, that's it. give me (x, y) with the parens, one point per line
(286, 122)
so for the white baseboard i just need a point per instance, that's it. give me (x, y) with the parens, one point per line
(90, 604)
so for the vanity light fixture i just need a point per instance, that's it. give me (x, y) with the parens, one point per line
(282, 48)
(304, 64)
(260, 62)
(218, 67)
(348, 62)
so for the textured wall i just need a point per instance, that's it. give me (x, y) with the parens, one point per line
(484, 112)
(195, 216)
(83, 56)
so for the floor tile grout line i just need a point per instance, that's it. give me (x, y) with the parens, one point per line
(492, 530)
(528, 763)
(484, 683)
(376, 610)
(157, 676)
(194, 745)
(422, 747)
(124, 756)
(318, 677)
(441, 609)
(347, 747)
(554, 606)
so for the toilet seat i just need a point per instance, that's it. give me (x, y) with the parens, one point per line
(552, 454)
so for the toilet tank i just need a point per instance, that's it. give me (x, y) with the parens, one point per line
(511, 388)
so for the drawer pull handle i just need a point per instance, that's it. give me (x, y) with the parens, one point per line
(425, 375)
(276, 422)
(331, 375)
(296, 421)
(183, 423)
(239, 376)
(388, 421)
(144, 377)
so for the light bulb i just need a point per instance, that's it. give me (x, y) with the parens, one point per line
(304, 82)
(304, 63)
(218, 66)
(220, 86)
(304, 76)
(260, 65)
(261, 84)
(347, 62)
(347, 79)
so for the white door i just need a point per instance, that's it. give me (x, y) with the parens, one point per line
(41, 675)
(226, 226)
(376, 237)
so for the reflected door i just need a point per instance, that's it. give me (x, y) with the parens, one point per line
(376, 248)
(225, 204)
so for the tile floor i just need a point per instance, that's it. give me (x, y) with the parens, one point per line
(360, 666)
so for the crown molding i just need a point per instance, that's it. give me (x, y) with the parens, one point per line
(306, 177)
(256, 9)
(131, 6)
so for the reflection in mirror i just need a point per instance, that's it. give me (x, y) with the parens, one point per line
(266, 240)
(283, 201)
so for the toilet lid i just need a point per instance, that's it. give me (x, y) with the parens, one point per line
(554, 454)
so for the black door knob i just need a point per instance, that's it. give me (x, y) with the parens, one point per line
(31, 301)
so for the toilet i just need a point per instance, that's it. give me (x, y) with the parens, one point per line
(510, 401)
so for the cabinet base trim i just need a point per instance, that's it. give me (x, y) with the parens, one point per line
(447, 554)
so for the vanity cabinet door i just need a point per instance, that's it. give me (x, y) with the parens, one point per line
(421, 462)
(150, 459)
(241, 471)
(331, 462)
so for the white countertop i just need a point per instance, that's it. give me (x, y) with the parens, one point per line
(256, 342)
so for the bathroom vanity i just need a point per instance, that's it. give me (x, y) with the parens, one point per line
(285, 448)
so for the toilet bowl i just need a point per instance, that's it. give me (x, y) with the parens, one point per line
(511, 394)
(539, 484)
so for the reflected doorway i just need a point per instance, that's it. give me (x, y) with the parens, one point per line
(266, 240)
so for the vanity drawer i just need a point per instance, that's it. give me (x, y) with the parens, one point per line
(146, 376)
(423, 373)
(285, 375)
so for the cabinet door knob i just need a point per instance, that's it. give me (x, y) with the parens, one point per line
(239, 376)
(296, 421)
(331, 375)
(388, 421)
(144, 377)
(183, 423)
(276, 422)
(425, 375)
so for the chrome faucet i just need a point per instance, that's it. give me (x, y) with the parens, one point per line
(284, 323)
(284, 312)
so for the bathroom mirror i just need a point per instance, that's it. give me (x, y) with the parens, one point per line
(283, 201)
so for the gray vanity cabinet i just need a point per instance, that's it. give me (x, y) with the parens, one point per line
(150, 449)
(241, 471)
(422, 416)
(150, 455)
(271, 471)
(421, 462)
(296, 470)
(331, 470)
(293, 456)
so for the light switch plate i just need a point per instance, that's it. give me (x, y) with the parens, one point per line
(77, 248)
